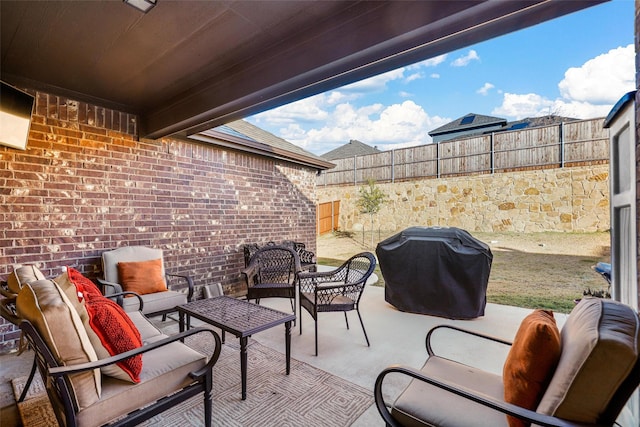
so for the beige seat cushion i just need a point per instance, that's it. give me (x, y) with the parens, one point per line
(599, 333)
(154, 303)
(22, 276)
(45, 305)
(421, 404)
(164, 370)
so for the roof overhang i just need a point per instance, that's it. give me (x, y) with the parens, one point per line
(187, 66)
(213, 136)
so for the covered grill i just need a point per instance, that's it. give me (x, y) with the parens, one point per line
(437, 271)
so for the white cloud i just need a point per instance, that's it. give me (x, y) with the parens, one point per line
(588, 91)
(431, 62)
(414, 76)
(519, 106)
(387, 127)
(374, 84)
(484, 90)
(434, 75)
(465, 60)
(404, 94)
(601, 80)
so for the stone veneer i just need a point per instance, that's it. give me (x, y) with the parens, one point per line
(570, 199)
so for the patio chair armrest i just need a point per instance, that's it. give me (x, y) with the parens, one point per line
(249, 273)
(4, 290)
(187, 279)
(306, 256)
(498, 405)
(8, 310)
(109, 287)
(88, 366)
(118, 297)
(430, 351)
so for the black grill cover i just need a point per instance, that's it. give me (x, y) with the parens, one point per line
(437, 271)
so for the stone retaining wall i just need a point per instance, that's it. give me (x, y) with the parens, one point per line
(569, 199)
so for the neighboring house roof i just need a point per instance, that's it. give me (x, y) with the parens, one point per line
(531, 122)
(242, 135)
(350, 149)
(468, 122)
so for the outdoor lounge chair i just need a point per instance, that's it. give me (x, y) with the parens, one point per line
(272, 273)
(582, 377)
(90, 379)
(336, 290)
(147, 277)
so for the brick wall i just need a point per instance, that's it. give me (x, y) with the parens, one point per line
(85, 185)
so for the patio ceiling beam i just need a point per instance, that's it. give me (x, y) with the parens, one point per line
(320, 63)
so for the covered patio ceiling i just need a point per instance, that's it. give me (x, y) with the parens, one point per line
(187, 66)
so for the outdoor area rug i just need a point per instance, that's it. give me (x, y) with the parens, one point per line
(306, 397)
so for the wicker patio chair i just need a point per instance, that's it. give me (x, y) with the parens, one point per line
(272, 273)
(336, 290)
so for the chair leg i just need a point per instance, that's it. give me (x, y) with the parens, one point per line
(316, 331)
(363, 329)
(208, 399)
(345, 319)
(23, 395)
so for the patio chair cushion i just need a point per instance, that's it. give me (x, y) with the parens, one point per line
(531, 361)
(142, 277)
(23, 275)
(110, 330)
(422, 404)
(163, 369)
(46, 306)
(596, 335)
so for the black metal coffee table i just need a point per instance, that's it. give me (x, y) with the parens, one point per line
(240, 318)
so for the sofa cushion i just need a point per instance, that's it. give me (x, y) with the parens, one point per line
(110, 259)
(45, 305)
(23, 275)
(142, 277)
(110, 330)
(531, 361)
(599, 349)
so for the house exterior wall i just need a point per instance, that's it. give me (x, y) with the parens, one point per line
(82, 188)
(637, 43)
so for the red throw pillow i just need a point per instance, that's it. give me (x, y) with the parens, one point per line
(117, 334)
(531, 362)
(82, 283)
(142, 277)
(109, 328)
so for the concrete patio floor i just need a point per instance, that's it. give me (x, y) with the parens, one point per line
(396, 338)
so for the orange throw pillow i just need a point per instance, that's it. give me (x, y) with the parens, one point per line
(142, 277)
(531, 362)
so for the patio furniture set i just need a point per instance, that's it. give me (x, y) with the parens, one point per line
(580, 376)
(104, 362)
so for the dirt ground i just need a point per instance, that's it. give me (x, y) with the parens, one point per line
(536, 270)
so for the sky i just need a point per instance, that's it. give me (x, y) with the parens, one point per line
(576, 66)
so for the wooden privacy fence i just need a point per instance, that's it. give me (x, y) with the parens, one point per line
(328, 216)
(560, 145)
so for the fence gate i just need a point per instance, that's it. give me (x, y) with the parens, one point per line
(328, 214)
